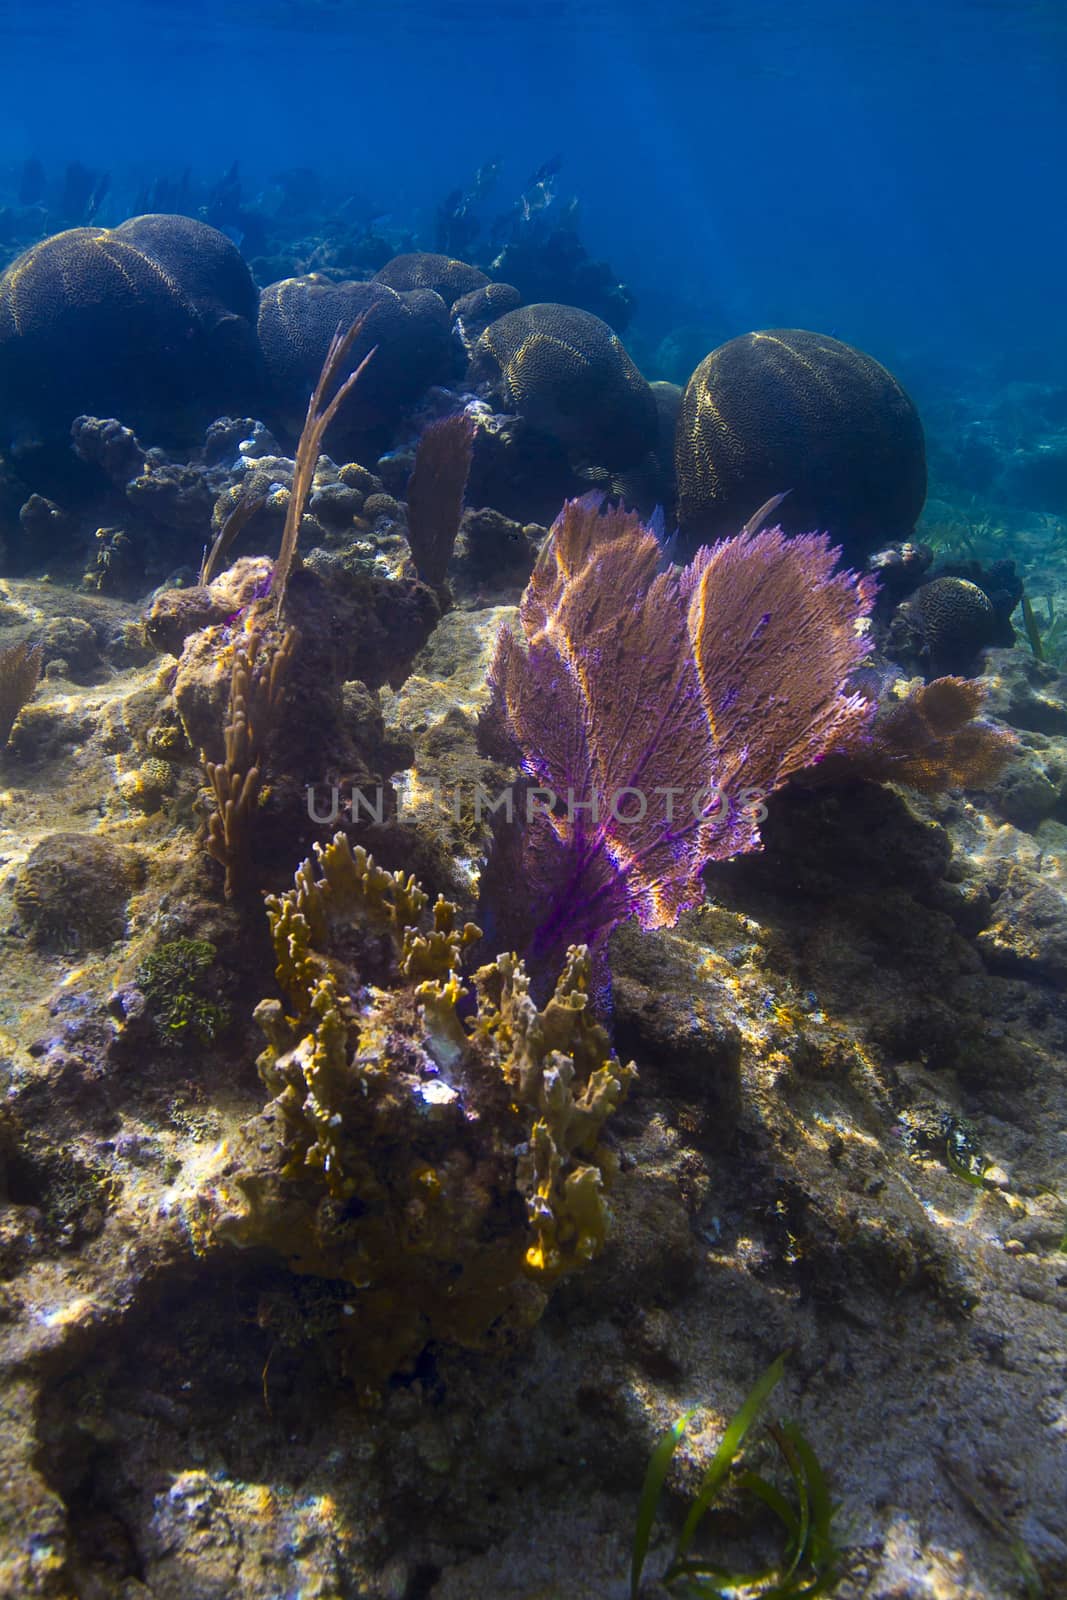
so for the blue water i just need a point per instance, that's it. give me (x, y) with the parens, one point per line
(891, 173)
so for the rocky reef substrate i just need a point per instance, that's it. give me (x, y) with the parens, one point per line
(845, 1140)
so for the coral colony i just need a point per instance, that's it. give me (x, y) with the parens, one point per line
(672, 701)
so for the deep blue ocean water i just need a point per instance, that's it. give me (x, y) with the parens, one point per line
(890, 173)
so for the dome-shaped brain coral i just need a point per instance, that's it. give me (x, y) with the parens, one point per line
(480, 307)
(790, 410)
(204, 262)
(668, 398)
(569, 376)
(153, 321)
(299, 316)
(944, 625)
(423, 269)
(72, 890)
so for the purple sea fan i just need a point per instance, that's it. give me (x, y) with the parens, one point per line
(776, 633)
(659, 707)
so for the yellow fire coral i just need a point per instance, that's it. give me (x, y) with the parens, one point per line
(438, 1148)
(558, 1069)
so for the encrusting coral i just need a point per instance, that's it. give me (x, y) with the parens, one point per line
(448, 1169)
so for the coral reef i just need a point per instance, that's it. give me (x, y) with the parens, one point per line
(175, 614)
(788, 411)
(500, 1187)
(535, 245)
(550, 265)
(73, 889)
(474, 312)
(172, 981)
(327, 397)
(422, 269)
(20, 670)
(945, 623)
(881, 979)
(668, 398)
(257, 681)
(846, 1135)
(495, 550)
(353, 631)
(943, 626)
(928, 739)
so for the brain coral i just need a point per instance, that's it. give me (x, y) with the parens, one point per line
(73, 888)
(153, 321)
(797, 411)
(422, 269)
(944, 624)
(299, 316)
(480, 307)
(568, 375)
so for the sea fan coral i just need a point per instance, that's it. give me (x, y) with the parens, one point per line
(20, 671)
(657, 708)
(931, 740)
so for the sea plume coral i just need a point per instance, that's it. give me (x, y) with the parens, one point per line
(656, 708)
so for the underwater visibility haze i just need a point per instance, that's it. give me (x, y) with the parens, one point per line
(533, 801)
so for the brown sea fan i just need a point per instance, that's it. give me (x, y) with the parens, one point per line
(930, 741)
(20, 672)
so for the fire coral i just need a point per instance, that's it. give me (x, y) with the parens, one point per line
(655, 708)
